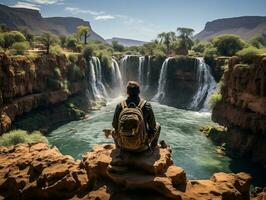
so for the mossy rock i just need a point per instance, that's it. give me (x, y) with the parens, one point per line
(217, 133)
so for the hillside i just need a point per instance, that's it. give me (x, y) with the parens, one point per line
(33, 21)
(126, 42)
(245, 27)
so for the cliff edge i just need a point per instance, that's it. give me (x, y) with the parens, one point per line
(31, 171)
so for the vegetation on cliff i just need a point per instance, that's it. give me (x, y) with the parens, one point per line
(20, 136)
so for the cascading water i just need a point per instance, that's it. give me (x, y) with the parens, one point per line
(141, 76)
(206, 86)
(116, 75)
(96, 85)
(162, 82)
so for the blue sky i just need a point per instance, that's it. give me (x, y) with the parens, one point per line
(143, 19)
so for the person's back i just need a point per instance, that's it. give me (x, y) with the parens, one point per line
(127, 108)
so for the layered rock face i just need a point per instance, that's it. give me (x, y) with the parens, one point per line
(27, 85)
(243, 108)
(32, 171)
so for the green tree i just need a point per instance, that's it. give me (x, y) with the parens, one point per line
(87, 53)
(167, 39)
(29, 36)
(185, 35)
(47, 39)
(117, 46)
(12, 37)
(227, 44)
(84, 33)
(257, 41)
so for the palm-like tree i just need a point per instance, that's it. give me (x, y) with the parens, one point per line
(84, 32)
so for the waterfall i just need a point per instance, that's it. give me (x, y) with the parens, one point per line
(206, 86)
(96, 85)
(162, 82)
(123, 64)
(116, 75)
(141, 77)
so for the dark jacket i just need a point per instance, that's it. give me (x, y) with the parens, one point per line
(148, 115)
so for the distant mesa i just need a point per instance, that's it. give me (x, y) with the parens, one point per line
(245, 27)
(33, 21)
(126, 42)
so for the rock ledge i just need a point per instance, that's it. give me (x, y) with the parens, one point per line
(32, 171)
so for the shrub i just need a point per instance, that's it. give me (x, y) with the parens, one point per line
(71, 42)
(20, 47)
(57, 72)
(228, 45)
(257, 41)
(214, 99)
(248, 55)
(56, 50)
(117, 46)
(210, 52)
(73, 57)
(19, 136)
(199, 47)
(87, 53)
(2, 40)
(12, 37)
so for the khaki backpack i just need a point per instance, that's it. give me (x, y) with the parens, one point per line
(131, 133)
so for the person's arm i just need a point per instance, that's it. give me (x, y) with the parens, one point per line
(116, 116)
(151, 119)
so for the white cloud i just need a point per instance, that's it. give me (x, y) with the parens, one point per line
(46, 1)
(104, 17)
(81, 11)
(21, 4)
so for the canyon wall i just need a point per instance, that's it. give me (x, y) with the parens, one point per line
(243, 108)
(28, 85)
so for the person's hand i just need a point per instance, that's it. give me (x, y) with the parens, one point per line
(107, 132)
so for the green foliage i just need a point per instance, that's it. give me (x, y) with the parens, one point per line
(87, 53)
(62, 39)
(71, 42)
(84, 32)
(228, 44)
(210, 52)
(185, 36)
(20, 47)
(20, 136)
(11, 37)
(56, 50)
(258, 42)
(57, 72)
(248, 55)
(214, 99)
(47, 39)
(199, 47)
(167, 39)
(2, 40)
(117, 46)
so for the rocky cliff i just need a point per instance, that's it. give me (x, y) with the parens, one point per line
(29, 85)
(243, 108)
(32, 20)
(35, 171)
(245, 27)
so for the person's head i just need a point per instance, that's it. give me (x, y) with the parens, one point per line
(133, 88)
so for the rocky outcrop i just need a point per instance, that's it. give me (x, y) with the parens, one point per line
(217, 66)
(35, 171)
(27, 85)
(242, 108)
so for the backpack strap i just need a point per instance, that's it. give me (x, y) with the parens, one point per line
(142, 102)
(124, 104)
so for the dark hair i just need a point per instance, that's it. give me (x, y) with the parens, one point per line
(133, 88)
